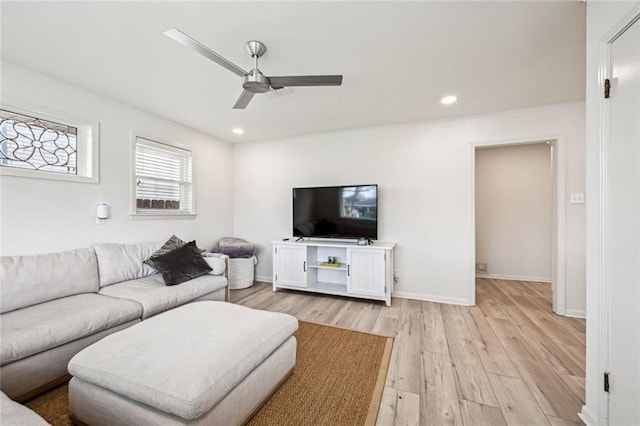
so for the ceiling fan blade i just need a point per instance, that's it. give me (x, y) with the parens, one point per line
(192, 44)
(243, 100)
(305, 80)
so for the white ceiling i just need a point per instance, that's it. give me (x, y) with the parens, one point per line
(398, 58)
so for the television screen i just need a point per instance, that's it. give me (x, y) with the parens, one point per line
(336, 212)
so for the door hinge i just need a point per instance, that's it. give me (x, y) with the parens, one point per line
(606, 382)
(276, 250)
(607, 88)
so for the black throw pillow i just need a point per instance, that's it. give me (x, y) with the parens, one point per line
(181, 264)
(171, 244)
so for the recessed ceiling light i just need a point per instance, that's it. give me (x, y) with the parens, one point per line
(238, 131)
(448, 100)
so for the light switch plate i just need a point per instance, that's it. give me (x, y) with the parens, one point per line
(576, 198)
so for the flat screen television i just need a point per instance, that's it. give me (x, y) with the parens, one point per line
(336, 212)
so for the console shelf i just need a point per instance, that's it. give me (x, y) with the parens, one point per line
(362, 271)
(338, 267)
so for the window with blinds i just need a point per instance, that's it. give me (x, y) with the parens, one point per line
(163, 178)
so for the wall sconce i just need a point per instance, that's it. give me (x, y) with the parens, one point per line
(102, 213)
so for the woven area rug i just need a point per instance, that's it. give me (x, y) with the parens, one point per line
(338, 380)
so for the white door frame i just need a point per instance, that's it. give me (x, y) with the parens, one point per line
(558, 161)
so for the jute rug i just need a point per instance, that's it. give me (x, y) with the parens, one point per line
(338, 380)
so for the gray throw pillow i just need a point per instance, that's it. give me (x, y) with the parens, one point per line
(181, 264)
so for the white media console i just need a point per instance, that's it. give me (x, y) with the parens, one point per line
(361, 271)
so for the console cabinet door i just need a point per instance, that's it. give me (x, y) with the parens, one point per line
(366, 272)
(290, 266)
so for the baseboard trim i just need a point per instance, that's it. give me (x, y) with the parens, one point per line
(514, 278)
(432, 298)
(405, 295)
(575, 313)
(587, 416)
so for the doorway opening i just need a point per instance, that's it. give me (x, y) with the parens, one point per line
(517, 189)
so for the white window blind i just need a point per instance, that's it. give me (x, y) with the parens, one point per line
(163, 178)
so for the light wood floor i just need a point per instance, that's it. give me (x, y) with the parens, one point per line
(507, 360)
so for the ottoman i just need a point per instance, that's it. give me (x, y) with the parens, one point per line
(205, 363)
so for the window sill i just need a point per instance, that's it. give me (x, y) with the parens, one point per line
(162, 215)
(34, 174)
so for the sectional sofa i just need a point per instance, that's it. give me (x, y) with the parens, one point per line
(54, 305)
(14, 414)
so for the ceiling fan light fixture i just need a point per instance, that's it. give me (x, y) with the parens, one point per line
(255, 82)
(449, 99)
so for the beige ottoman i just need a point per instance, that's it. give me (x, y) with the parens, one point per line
(206, 363)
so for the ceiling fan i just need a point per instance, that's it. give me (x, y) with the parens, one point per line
(253, 81)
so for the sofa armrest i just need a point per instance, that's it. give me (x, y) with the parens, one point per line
(225, 258)
(227, 291)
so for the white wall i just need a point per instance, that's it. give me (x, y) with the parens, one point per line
(424, 175)
(602, 17)
(38, 215)
(513, 211)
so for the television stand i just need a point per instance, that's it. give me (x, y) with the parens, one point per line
(358, 271)
(300, 238)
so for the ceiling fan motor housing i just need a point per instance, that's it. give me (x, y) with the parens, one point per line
(255, 82)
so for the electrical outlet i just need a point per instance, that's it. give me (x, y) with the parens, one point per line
(481, 267)
(576, 198)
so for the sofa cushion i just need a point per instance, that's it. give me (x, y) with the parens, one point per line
(29, 280)
(123, 262)
(40, 327)
(14, 414)
(186, 360)
(155, 297)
